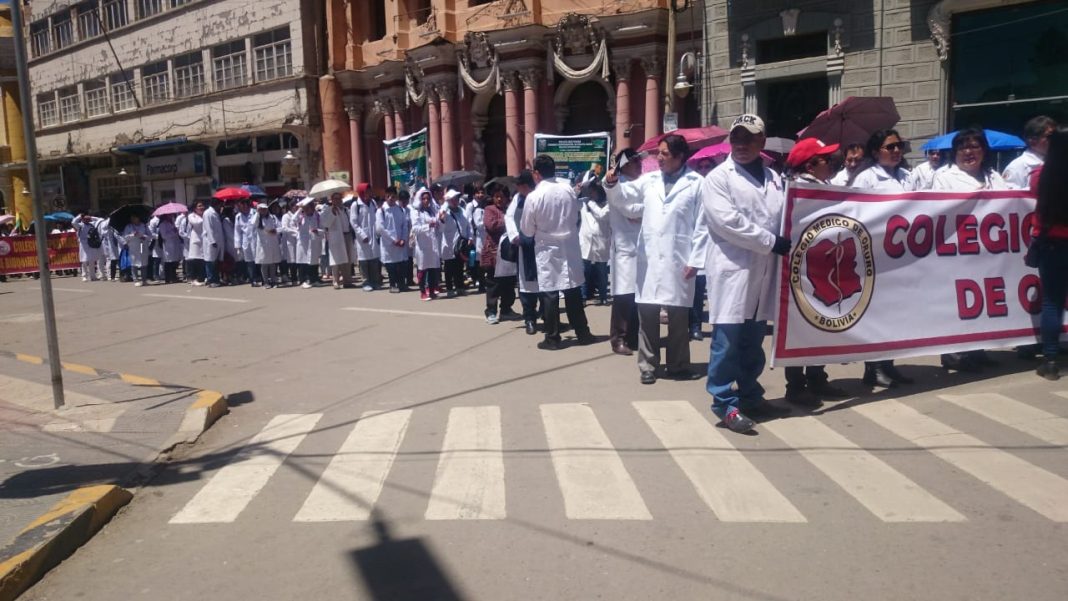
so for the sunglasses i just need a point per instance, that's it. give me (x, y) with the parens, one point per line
(894, 147)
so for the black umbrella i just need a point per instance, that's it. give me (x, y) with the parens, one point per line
(458, 179)
(502, 180)
(120, 217)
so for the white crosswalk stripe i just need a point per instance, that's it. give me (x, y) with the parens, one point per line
(1028, 484)
(351, 484)
(230, 490)
(732, 486)
(469, 484)
(1014, 414)
(880, 488)
(592, 479)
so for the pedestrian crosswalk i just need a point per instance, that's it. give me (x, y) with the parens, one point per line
(595, 475)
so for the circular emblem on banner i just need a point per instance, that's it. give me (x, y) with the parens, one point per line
(832, 272)
(5, 248)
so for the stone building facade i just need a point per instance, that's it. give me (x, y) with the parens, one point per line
(164, 100)
(14, 183)
(947, 64)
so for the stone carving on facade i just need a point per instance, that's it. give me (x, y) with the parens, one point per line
(575, 34)
(789, 21)
(621, 69)
(530, 78)
(837, 46)
(514, 12)
(745, 50)
(413, 82)
(477, 53)
(354, 110)
(431, 25)
(938, 20)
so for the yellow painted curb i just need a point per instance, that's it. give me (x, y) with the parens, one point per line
(81, 369)
(205, 411)
(56, 534)
(30, 358)
(138, 380)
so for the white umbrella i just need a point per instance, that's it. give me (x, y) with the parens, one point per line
(327, 188)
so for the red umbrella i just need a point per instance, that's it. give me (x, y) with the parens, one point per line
(171, 208)
(697, 137)
(231, 193)
(852, 120)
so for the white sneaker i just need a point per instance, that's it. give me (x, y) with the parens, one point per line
(306, 285)
(138, 284)
(492, 319)
(85, 279)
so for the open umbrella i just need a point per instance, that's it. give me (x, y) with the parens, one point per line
(171, 208)
(779, 145)
(719, 152)
(328, 187)
(59, 216)
(696, 137)
(853, 120)
(502, 180)
(231, 193)
(254, 191)
(458, 179)
(296, 194)
(997, 140)
(5, 219)
(120, 217)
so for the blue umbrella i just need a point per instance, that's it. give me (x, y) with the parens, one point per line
(59, 216)
(254, 191)
(997, 140)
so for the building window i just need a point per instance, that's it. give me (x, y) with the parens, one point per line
(421, 11)
(88, 22)
(272, 172)
(147, 8)
(154, 83)
(118, 190)
(122, 96)
(46, 110)
(274, 54)
(377, 25)
(177, 3)
(96, 98)
(189, 75)
(233, 174)
(62, 30)
(114, 14)
(228, 62)
(39, 41)
(233, 146)
(792, 47)
(70, 105)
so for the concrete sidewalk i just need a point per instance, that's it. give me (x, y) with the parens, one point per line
(62, 472)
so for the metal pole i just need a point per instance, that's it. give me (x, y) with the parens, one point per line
(40, 230)
(669, 76)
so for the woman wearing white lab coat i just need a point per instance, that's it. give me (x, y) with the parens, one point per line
(393, 228)
(335, 222)
(112, 247)
(194, 251)
(167, 231)
(309, 246)
(625, 222)
(90, 258)
(289, 242)
(595, 240)
(971, 169)
(427, 247)
(268, 245)
(137, 241)
(454, 225)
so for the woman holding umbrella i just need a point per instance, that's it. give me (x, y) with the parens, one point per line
(309, 246)
(268, 246)
(194, 250)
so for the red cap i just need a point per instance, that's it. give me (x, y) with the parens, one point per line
(362, 187)
(806, 149)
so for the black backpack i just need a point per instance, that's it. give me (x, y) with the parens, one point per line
(93, 239)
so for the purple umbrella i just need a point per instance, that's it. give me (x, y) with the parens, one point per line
(171, 208)
(853, 120)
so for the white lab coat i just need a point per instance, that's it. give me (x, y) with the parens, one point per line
(878, 179)
(454, 226)
(551, 217)
(511, 226)
(1018, 173)
(268, 239)
(624, 218)
(922, 177)
(334, 222)
(111, 244)
(475, 214)
(362, 216)
(172, 242)
(427, 247)
(841, 178)
(244, 238)
(214, 236)
(86, 253)
(673, 236)
(309, 232)
(392, 225)
(289, 237)
(194, 231)
(595, 235)
(742, 217)
(954, 179)
(153, 232)
(137, 240)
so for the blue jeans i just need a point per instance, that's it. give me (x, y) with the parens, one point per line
(212, 272)
(736, 361)
(1053, 270)
(596, 280)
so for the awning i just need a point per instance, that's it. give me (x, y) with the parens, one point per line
(143, 146)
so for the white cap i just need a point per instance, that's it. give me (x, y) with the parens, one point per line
(752, 123)
(451, 194)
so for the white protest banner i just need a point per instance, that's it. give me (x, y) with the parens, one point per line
(881, 276)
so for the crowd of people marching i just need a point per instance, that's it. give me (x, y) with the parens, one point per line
(668, 240)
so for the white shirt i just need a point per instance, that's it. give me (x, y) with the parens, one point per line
(1018, 173)
(878, 179)
(954, 179)
(551, 217)
(922, 177)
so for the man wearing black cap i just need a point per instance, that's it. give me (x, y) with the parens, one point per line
(529, 295)
(625, 221)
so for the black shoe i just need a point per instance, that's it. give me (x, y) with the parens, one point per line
(896, 375)
(875, 375)
(767, 410)
(981, 358)
(508, 314)
(825, 389)
(736, 422)
(648, 377)
(802, 397)
(1049, 371)
(620, 348)
(683, 375)
(549, 344)
(531, 328)
(696, 335)
(586, 339)
(958, 362)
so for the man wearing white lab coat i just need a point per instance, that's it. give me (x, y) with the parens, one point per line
(743, 202)
(551, 217)
(922, 177)
(625, 220)
(394, 229)
(91, 257)
(214, 242)
(1036, 132)
(245, 244)
(671, 248)
(362, 214)
(335, 222)
(529, 295)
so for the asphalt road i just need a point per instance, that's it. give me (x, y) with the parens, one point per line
(380, 447)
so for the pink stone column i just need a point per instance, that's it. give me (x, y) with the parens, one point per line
(622, 71)
(335, 133)
(513, 137)
(448, 130)
(359, 167)
(467, 135)
(652, 99)
(434, 116)
(387, 121)
(398, 120)
(530, 80)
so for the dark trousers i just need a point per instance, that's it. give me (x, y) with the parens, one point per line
(113, 267)
(624, 323)
(309, 273)
(800, 378)
(371, 272)
(479, 277)
(397, 273)
(677, 343)
(454, 274)
(253, 271)
(409, 272)
(500, 289)
(1053, 271)
(196, 269)
(428, 281)
(576, 313)
(152, 267)
(697, 311)
(596, 280)
(211, 272)
(294, 272)
(531, 308)
(170, 272)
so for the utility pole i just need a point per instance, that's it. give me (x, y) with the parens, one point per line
(40, 230)
(669, 76)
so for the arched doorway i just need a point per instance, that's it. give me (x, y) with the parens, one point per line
(495, 153)
(588, 110)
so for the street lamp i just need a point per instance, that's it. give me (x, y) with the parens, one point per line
(687, 62)
(123, 171)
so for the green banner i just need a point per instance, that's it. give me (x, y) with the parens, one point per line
(406, 159)
(575, 155)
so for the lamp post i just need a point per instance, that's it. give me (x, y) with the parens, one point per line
(674, 8)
